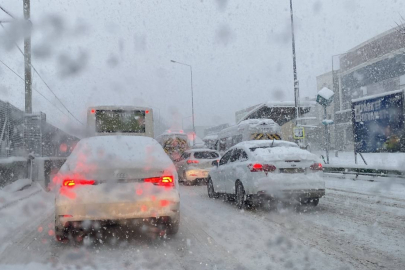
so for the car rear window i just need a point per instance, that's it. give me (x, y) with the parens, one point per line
(206, 155)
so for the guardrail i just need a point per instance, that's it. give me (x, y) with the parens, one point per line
(363, 171)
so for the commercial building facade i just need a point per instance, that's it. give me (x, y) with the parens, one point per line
(373, 67)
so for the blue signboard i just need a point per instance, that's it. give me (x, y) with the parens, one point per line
(378, 123)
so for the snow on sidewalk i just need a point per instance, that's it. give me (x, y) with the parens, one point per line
(391, 188)
(16, 191)
(386, 161)
(21, 211)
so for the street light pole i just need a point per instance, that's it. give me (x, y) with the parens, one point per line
(27, 52)
(192, 95)
(296, 86)
(27, 59)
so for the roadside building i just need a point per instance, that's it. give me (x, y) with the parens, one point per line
(281, 112)
(373, 67)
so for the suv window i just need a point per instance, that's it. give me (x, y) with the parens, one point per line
(206, 155)
(225, 158)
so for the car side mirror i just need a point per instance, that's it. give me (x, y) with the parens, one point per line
(215, 163)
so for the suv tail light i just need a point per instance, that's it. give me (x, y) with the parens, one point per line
(190, 161)
(166, 181)
(316, 167)
(257, 167)
(75, 182)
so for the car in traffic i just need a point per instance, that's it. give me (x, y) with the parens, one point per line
(194, 165)
(254, 172)
(116, 179)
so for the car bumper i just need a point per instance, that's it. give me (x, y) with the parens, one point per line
(68, 211)
(293, 194)
(194, 174)
(279, 184)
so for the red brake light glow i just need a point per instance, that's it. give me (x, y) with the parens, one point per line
(72, 183)
(93, 111)
(192, 161)
(262, 167)
(316, 167)
(166, 181)
(146, 111)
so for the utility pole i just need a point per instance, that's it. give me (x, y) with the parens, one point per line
(296, 85)
(27, 58)
(192, 95)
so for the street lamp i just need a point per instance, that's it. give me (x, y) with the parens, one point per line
(296, 85)
(192, 95)
(333, 80)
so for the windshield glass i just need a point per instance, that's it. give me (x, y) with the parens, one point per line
(202, 134)
(113, 121)
(206, 155)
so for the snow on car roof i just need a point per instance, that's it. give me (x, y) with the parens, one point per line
(283, 153)
(257, 121)
(263, 143)
(281, 150)
(119, 151)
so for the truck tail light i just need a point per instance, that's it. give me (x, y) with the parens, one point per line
(190, 161)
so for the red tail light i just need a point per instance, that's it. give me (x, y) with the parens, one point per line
(75, 182)
(262, 167)
(316, 167)
(192, 161)
(166, 181)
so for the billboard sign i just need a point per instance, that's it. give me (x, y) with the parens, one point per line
(378, 122)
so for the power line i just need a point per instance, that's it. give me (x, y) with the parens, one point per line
(8, 13)
(33, 88)
(49, 88)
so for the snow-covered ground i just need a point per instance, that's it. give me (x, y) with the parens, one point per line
(389, 161)
(358, 225)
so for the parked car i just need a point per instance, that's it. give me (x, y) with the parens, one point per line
(116, 179)
(194, 165)
(257, 171)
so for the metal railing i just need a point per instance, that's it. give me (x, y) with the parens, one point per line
(363, 171)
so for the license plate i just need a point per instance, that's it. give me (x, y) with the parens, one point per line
(292, 170)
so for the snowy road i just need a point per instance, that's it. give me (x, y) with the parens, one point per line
(349, 229)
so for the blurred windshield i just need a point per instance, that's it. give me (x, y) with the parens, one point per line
(206, 134)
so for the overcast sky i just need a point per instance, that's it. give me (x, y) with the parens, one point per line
(118, 52)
